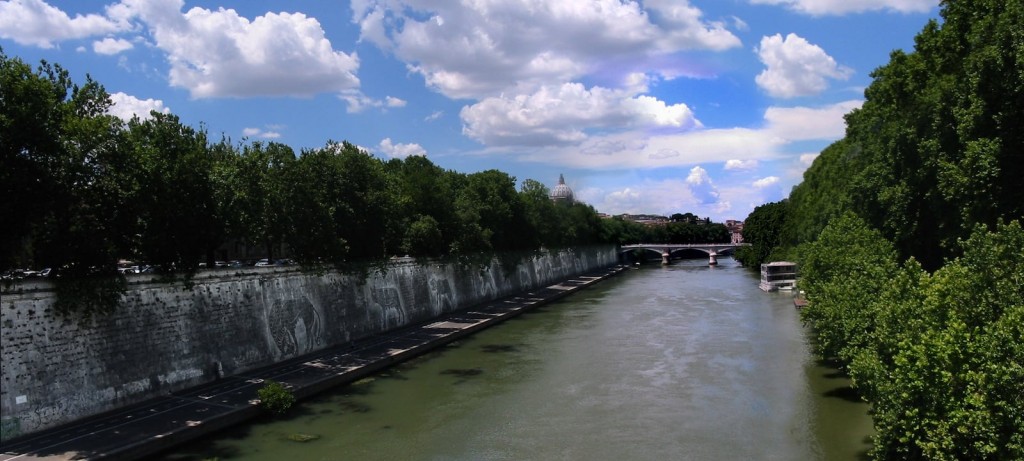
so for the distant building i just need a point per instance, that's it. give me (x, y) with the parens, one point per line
(736, 229)
(561, 192)
(645, 219)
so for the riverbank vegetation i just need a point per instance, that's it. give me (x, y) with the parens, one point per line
(909, 238)
(84, 190)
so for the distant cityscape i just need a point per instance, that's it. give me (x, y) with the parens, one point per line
(563, 193)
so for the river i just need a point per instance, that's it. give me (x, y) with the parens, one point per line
(686, 362)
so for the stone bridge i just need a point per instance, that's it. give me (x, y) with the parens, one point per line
(667, 249)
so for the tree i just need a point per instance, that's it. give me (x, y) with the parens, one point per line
(177, 208)
(842, 274)
(944, 370)
(255, 187)
(491, 213)
(68, 183)
(422, 203)
(340, 207)
(763, 231)
(540, 213)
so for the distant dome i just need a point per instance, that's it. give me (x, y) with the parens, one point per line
(562, 193)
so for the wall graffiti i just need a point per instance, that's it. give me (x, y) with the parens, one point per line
(387, 301)
(442, 298)
(525, 276)
(485, 285)
(296, 326)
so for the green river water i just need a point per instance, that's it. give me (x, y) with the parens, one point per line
(686, 362)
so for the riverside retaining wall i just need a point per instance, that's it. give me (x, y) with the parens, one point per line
(166, 337)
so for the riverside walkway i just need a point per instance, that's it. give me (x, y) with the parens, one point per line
(160, 423)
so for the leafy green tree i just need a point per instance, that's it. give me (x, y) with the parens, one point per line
(763, 231)
(339, 206)
(580, 225)
(944, 372)
(621, 231)
(935, 148)
(255, 191)
(540, 213)
(422, 204)
(177, 207)
(67, 181)
(491, 213)
(842, 273)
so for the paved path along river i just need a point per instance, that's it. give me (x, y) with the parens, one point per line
(681, 362)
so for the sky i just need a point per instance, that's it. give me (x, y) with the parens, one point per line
(711, 107)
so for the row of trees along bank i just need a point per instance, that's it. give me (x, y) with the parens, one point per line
(909, 238)
(83, 189)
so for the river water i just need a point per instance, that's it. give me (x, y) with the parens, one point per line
(686, 362)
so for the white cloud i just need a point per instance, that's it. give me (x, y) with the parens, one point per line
(563, 114)
(701, 186)
(663, 197)
(221, 54)
(358, 102)
(739, 24)
(392, 101)
(740, 164)
(807, 159)
(840, 7)
(807, 123)
(642, 148)
(795, 67)
(478, 49)
(36, 23)
(125, 106)
(111, 46)
(260, 133)
(766, 182)
(433, 116)
(392, 150)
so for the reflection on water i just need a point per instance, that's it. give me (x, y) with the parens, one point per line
(683, 362)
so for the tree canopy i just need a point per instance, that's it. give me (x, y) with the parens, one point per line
(909, 238)
(83, 190)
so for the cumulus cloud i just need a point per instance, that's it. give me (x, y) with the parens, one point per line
(392, 150)
(125, 106)
(216, 54)
(260, 133)
(36, 23)
(477, 49)
(766, 182)
(840, 7)
(562, 114)
(111, 46)
(740, 164)
(796, 67)
(701, 185)
(809, 123)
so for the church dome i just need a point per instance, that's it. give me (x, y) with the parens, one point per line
(561, 192)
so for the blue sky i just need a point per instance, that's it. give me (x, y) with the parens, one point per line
(658, 106)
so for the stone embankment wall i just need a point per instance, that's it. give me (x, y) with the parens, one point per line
(166, 337)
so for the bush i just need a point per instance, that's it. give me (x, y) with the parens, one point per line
(275, 397)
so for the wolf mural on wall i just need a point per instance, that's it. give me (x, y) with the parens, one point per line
(296, 326)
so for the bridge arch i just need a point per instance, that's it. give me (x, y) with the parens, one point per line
(667, 250)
